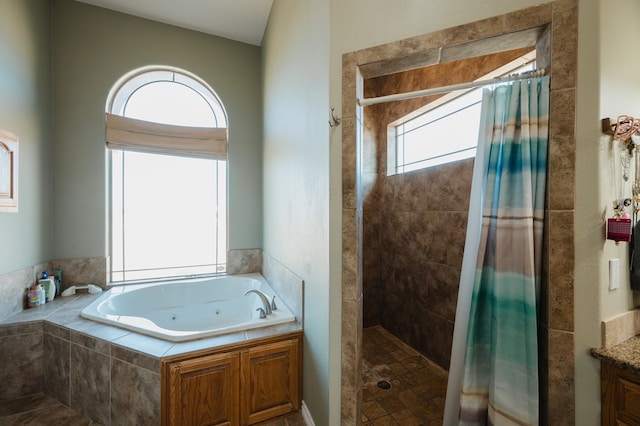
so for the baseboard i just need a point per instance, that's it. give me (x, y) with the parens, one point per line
(306, 415)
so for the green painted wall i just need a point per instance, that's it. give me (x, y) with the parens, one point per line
(25, 109)
(92, 49)
(296, 174)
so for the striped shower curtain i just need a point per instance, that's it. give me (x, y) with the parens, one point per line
(500, 378)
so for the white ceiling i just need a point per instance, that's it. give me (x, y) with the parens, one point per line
(241, 20)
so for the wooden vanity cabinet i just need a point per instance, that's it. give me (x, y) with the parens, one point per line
(270, 383)
(205, 390)
(620, 396)
(244, 385)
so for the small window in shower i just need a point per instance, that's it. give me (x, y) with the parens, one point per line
(446, 130)
(166, 135)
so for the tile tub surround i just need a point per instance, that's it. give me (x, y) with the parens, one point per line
(94, 270)
(13, 287)
(87, 365)
(82, 270)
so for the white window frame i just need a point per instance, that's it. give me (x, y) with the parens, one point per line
(395, 158)
(115, 108)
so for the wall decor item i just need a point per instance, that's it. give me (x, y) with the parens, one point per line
(8, 172)
(625, 132)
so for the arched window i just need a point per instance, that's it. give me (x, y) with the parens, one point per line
(166, 131)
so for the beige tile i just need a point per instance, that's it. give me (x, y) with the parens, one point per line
(561, 161)
(384, 421)
(89, 384)
(351, 346)
(349, 90)
(54, 415)
(244, 261)
(561, 265)
(407, 418)
(140, 405)
(564, 44)
(373, 410)
(528, 18)
(295, 419)
(82, 270)
(21, 404)
(619, 328)
(22, 356)
(57, 372)
(349, 155)
(371, 191)
(561, 383)
(351, 273)
(13, 287)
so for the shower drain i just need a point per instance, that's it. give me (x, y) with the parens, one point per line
(383, 384)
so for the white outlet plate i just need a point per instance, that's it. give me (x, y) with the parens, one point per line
(614, 274)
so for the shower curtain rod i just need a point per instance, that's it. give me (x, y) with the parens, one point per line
(461, 86)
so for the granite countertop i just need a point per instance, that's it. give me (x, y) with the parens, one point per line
(625, 355)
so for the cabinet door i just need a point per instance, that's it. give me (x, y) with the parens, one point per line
(627, 398)
(620, 396)
(205, 391)
(270, 381)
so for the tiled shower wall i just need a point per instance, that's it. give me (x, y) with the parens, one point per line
(414, 224)
(413, 245)
(557, 331)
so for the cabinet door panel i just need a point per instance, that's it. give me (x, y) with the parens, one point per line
(205, 391)
(270, 381)
(628, 398)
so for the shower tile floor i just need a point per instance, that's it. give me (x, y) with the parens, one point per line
(418, 386)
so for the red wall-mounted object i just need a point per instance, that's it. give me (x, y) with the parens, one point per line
(619, 230)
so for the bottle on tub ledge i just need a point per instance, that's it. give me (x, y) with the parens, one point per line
(42, 292)
(49, 286)
(34, 296)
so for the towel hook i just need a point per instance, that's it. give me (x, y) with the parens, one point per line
(335, 121)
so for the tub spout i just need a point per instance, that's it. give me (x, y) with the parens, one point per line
(265, 300)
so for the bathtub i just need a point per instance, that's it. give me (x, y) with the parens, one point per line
(188, 309)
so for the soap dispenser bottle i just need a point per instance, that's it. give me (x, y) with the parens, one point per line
(49, 287)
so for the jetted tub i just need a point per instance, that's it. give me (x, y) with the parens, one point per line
(189, 309)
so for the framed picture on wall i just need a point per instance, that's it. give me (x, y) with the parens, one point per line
(8, 172)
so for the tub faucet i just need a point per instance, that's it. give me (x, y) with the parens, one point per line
(265, 300)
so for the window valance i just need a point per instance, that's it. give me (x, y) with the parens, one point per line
(137, 135)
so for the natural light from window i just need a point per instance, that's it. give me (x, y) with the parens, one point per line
(168, 212)
(448, 130)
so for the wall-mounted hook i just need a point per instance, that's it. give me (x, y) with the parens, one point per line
(334, 121)
(622, 130)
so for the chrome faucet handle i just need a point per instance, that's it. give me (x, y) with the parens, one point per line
(262, 313)
(265, 300)
(273, 304)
